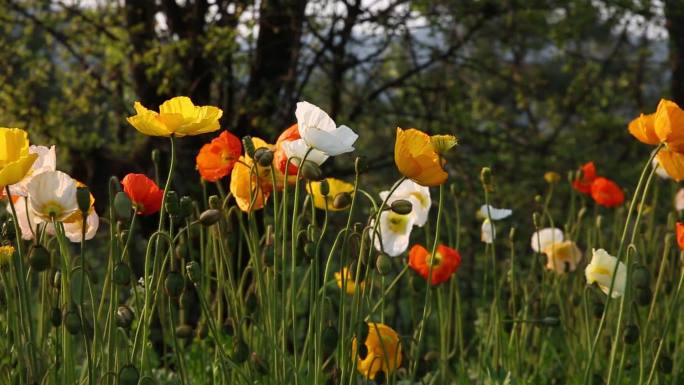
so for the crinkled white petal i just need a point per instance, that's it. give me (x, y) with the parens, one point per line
(73, 230)
(50, 189)
(545, 237)
(488, 232)
(493, 213)
(418, 195)
(46, 161)
(600, 270)
(297, 149)
(319, 131)
(679, 200)
(393, 234)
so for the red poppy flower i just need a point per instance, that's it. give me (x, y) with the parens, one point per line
(216, 159)
(606, 192)
(444, 264)
(143, 192)
(583, 184)
(280, 158)
(680, 235)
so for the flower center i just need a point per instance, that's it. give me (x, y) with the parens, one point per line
(397, 222)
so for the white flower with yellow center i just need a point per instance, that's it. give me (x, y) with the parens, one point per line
(489, 214)
(25, 217)
(73, 230)
(600, 270)
(546, 237)
(393, 233)
(320, 132)
(46, 161)
(296, 150)
(418, 195)
(52, 195)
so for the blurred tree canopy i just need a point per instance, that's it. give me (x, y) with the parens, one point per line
(527, 85)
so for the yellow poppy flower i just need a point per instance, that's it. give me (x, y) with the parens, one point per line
(15, 159)
(384, 351)
(177, 116)
(348, 283)
(669, 125)
(6, 254)
(336, 187)
(419, 156)
(562, 257)
(672, 162)
(244, 184)
(642, 128)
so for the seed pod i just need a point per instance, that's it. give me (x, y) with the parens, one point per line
(248, 145)
(311, 171)
(186, 207)
(486, 176)
(402, 207)
(641, 277)
(122, 206)
(642, 296)
(263, 156)
(240, 351)
(342, 200)
(174, 284)
(383, 264)
(210, 217)
(310, 249)
(56, 317)
(214, 202)
(39, 259)
(631, 334)
(193, 271)
(57, 279)
(324, 187)
(72, 322)
(172, 203)
(122, 274)
(83, 199)
(124, 317)
(184, 331)
(129, 375)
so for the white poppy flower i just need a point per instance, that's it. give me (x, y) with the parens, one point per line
(297, 149)
(679, 200)
(600, 270)
(25, 217)
(488, 232)
(546, 237)
(393, 233)
(418, 195)
(488, 211)
(52, 194)
(320, 132)
(73, 230)
(47, 161)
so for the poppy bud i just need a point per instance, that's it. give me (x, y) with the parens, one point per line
(183, 331)
(129, 375)
(263, 156)
(186, 207)
(122, 205)
(214, 202)
(72, 322)
(156, 156)
(124, 317)
(665, 365)
(402, 207)
(209, 217)
(172, 203)
(174, 284)
(631, 334)
(383, 263)
(552, 177)
(121, 274)
(56, 317)
(486, 176)
(39, 259)
(342, 200)
(641, 277)
(310, 249)
(83, 199)
(240, 351)
(311, 171)
(251, 303)
(597, 310)
(248, 145)
(193, 271)
(57, 279)
(324, 187)
(642, 296)
(538, 198)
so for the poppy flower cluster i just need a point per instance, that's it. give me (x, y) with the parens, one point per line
(602, 190)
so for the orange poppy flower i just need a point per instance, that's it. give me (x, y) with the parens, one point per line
(680, 235)
(279, 156)
(606, 193)
(418, 156)
(145, 195)
(216, 159)
(642, 128)
(445, 262)
(583, 184)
